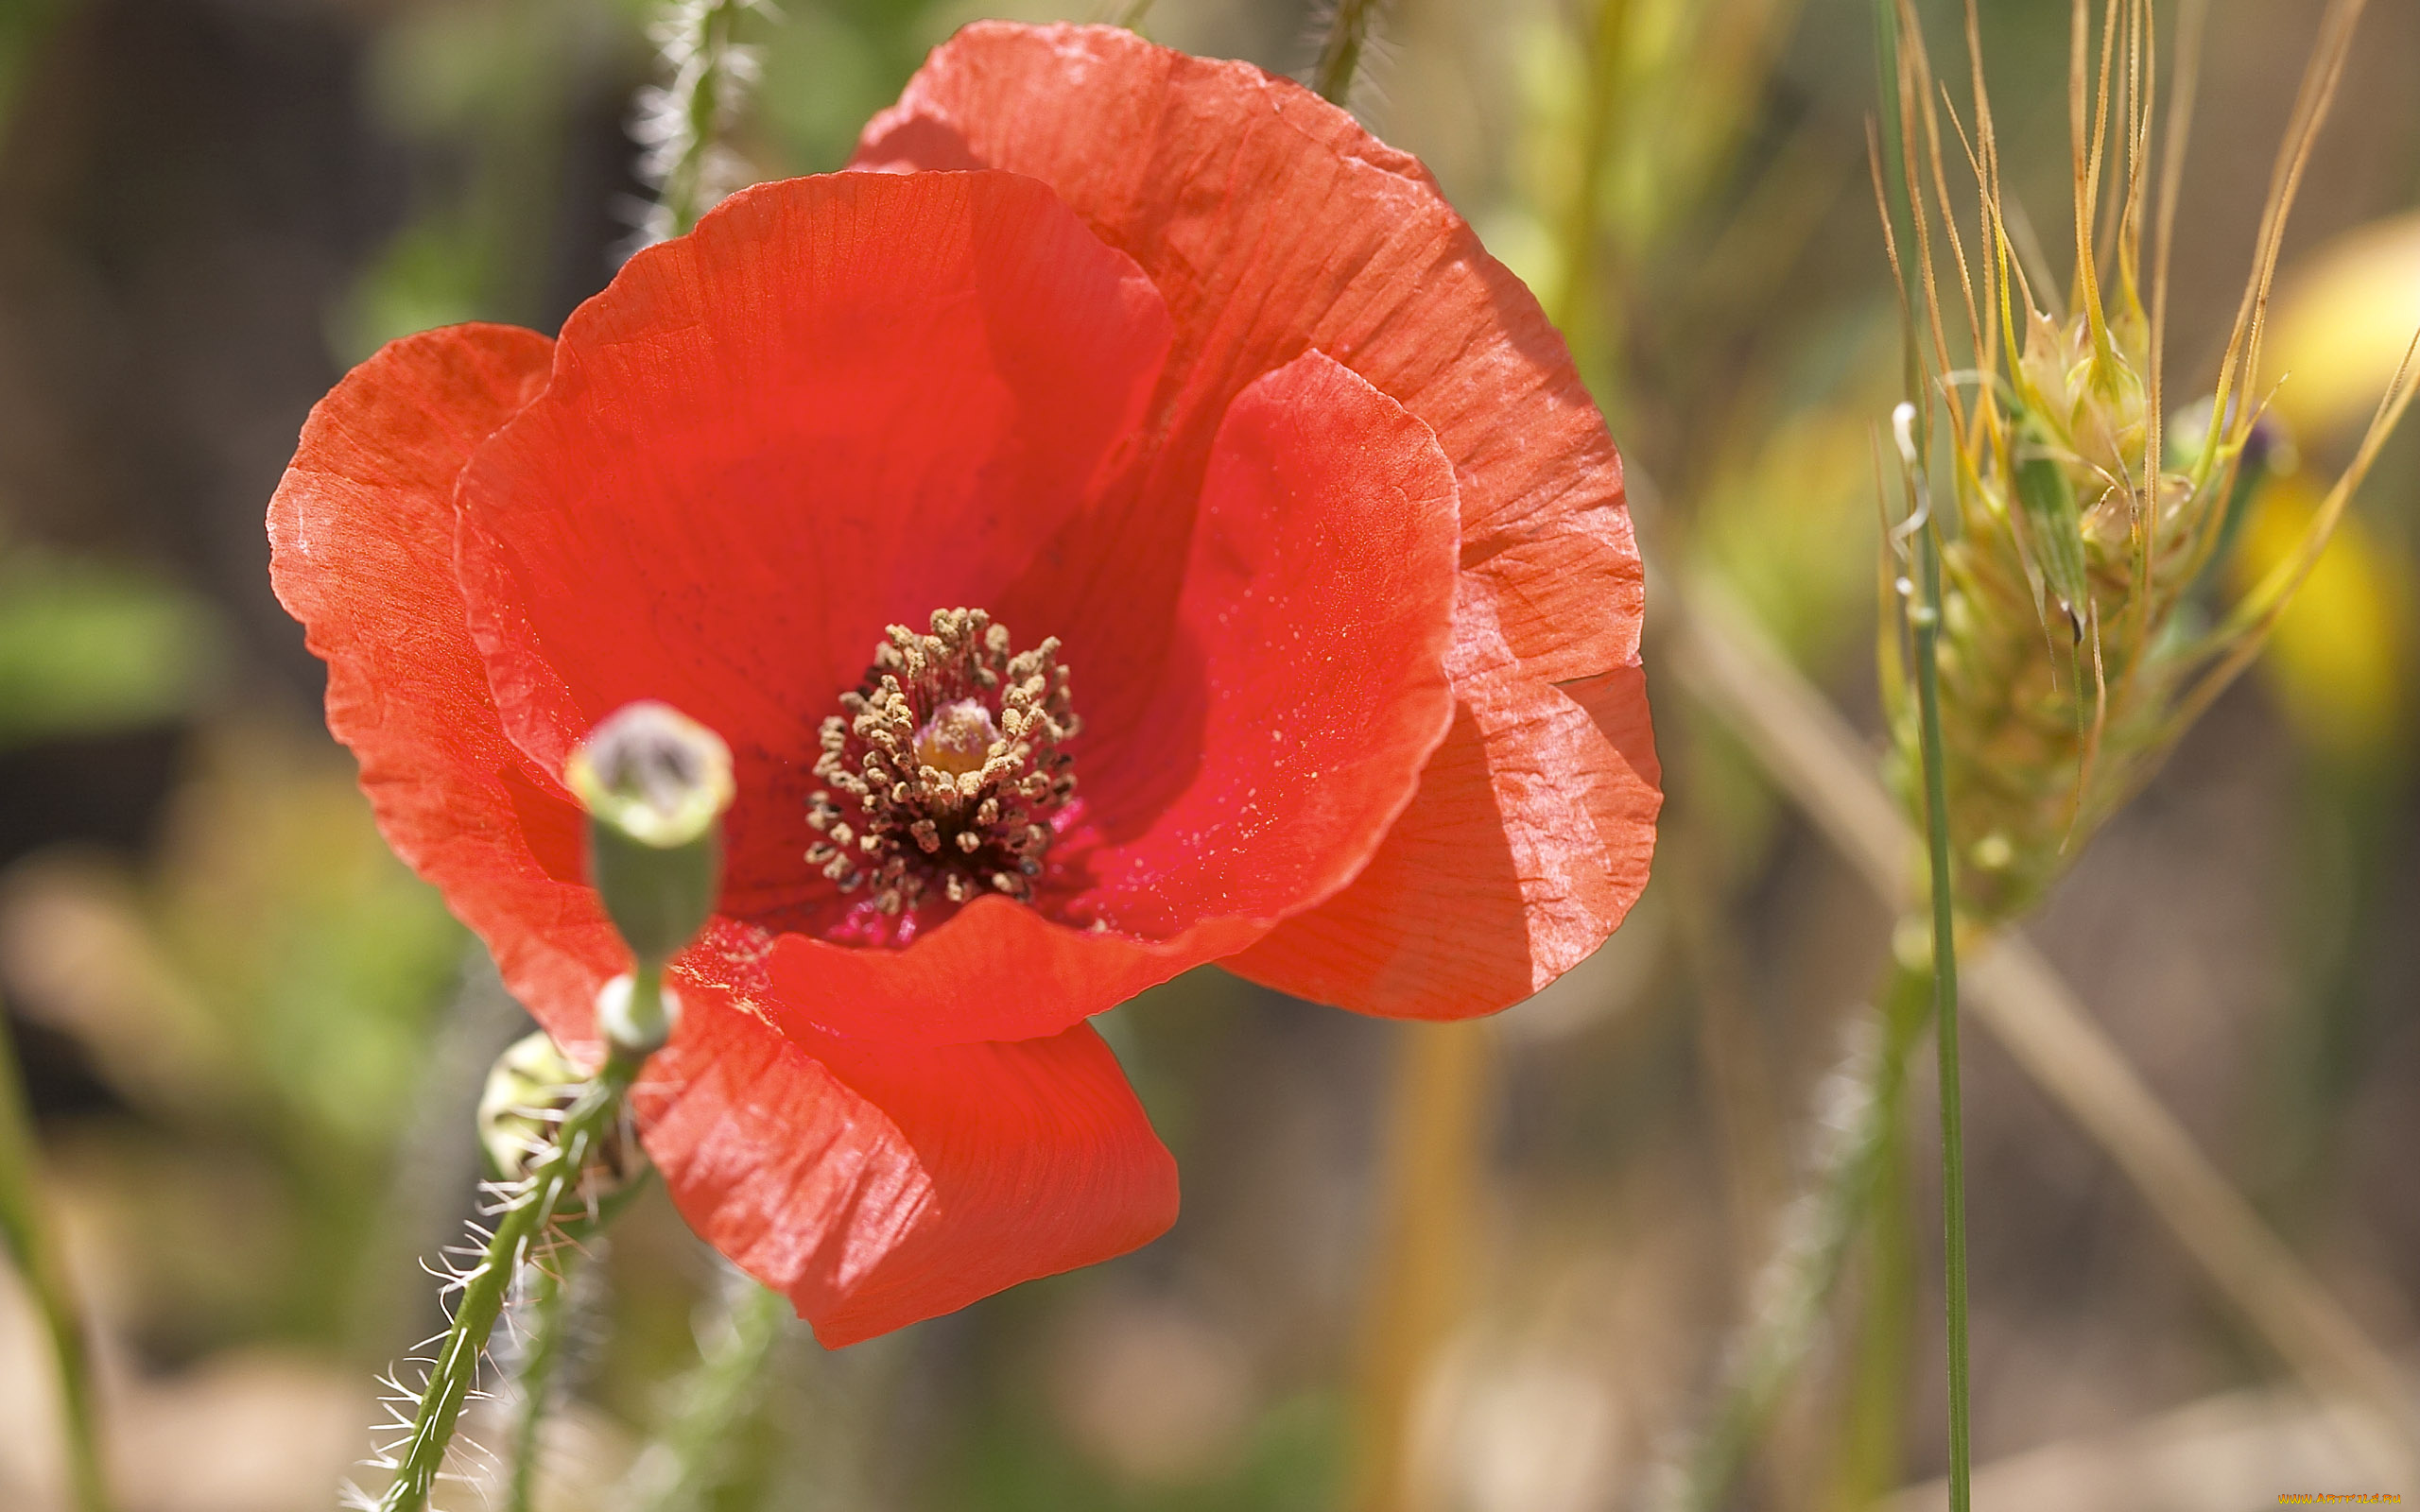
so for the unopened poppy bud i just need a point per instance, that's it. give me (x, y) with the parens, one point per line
(655, 784)
(526, 1091)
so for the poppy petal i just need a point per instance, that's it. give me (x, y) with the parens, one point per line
(361, 543)
(841, 403)
(1502, 878)
(996, 970)
(1271, 223)
(876, 1187)
(1309, 687)
(879, 1184)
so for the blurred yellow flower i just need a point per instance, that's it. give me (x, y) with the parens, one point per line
(2339, 660)
(2344, 323)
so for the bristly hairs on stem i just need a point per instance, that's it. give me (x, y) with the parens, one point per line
(524, 1222)
(545, 1320)
(680, 124)
(1857, 1107)
(1347, 37)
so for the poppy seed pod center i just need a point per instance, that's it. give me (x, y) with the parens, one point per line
(944, 770)
(958, 738)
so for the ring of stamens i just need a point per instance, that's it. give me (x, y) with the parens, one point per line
(945, 771)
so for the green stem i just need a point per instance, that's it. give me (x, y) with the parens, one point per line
(520, 1225)
(1340, 54)
(1926, 629)
(705, 80)
(35, 1249)
(1585, 307)
(549, 1315)
(1902, 205)
(1791, 1294)
(688, 1460)
(1871, 1439)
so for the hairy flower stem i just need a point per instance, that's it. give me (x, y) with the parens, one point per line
(521, 1224)
(1869, 1460)
(680, 124)
(549, 1315)
(684, 187)
(1340, 62)
(1861, 1109)
(35, 1250)
(681, 1470)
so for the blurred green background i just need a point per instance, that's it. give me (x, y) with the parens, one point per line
(253, 1040)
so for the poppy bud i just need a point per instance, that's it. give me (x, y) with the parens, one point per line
(526, 1091)
(655, 784)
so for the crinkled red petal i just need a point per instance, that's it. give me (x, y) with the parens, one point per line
(880, 1184)
(876, 1186)
(1306, 688)
(361, 549)
(1273, 224)
(1528, 860)
(841, 403)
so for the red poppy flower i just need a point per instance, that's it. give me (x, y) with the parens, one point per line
(1263, 593)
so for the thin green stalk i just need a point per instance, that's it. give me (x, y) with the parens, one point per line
(1585, 308)
(1925, 626)
(691, 1456)
(1813, 754)
(1348, 33)
(521, 1224)
(1914, 427)
(35, 1249)
(549, 1318)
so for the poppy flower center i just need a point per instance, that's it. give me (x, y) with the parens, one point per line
(943, 770)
